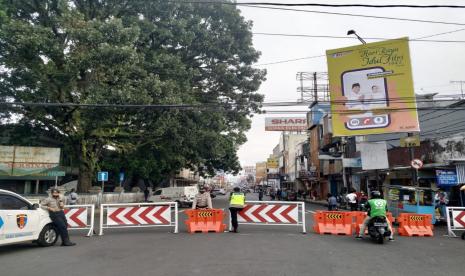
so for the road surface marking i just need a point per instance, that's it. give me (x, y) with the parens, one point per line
(308, 211)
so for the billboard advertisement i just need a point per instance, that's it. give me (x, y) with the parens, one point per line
(272, 163)
(27, 161)
(371, 89)
(286, 124)
(260, 170)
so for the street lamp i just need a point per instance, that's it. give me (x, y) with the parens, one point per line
(352, 32)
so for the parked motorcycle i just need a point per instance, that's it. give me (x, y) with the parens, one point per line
(378, 229)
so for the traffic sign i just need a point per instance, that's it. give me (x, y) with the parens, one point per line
(416, 163)
(1, 222)
(102, 176)
(459, 217)
(56, 173)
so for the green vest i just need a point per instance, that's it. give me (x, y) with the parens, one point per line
(377, 207)
(237, 200)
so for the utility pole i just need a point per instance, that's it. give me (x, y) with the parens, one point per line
(412, 156)
(461, 82)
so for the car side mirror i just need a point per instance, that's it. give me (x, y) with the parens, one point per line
(35, 206)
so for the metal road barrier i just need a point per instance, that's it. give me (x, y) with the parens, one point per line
(455, 220)
(272, 213)
(136, 215)
(80, 217)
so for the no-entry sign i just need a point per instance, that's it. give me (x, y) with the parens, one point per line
(416, 163)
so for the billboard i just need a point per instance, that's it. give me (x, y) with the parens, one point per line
(286, 124)
(410, 141)
(374, 155)
(272, 163)
(27, 161)
(260, 170)
(249, 170)
(371, 89)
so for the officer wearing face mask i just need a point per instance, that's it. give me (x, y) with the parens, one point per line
(55, 205)
(202, 200)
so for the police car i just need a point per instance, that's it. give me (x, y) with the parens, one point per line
(22, 221)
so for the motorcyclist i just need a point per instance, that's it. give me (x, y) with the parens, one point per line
(376, 207)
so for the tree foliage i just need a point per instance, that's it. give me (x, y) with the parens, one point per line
(132, 52)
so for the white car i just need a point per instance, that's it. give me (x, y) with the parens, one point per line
(184, 196)
(22, 221)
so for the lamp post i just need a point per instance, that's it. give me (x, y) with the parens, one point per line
(352, 32)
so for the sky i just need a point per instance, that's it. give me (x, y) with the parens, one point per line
(434, 65)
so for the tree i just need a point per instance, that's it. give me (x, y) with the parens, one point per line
(132, 52)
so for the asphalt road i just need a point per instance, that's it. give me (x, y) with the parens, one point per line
(256, 250)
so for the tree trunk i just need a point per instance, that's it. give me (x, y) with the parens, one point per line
(85, 177)
(87, 165)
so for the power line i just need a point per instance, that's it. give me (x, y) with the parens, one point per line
(359, 15)
(449, 32)
(297, 59)
(350, 37)
(322, 5)
(288, 60)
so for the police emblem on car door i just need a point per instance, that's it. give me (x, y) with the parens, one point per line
(21, 220)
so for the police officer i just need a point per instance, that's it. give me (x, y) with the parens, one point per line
(202, 200)
(236, 204)
(376, 207)
(55, 205)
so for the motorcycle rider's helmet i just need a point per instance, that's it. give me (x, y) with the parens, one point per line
(375, 194)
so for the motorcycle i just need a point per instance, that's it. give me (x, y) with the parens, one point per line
(378, 229)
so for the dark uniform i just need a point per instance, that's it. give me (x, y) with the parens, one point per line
(55, 208)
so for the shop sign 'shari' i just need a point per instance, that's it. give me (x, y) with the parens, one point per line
(371, 89)
(286, 124)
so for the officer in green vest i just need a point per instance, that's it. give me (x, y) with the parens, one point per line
(236, 204)
(376, 207)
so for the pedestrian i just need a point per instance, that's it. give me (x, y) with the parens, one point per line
(54, 204)
(236, 204)
(202, 200)
(332, 202)
(284, 195)
(273, 194)
(260, 194)
(363, 201)
(443, 201)
(73, 197)
(352, 200)
(279, 194)
(146, 194)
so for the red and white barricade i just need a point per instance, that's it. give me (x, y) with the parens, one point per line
(130, 215)
(80, 217)
(455, 220)
(272, 213)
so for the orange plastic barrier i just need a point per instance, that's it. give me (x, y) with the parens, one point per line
(415, 225)
(205, 221)
(359, 217)
(333, 222)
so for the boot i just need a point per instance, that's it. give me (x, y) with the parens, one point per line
(67, 242)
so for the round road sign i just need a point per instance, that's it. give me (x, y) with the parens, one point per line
(416, 163)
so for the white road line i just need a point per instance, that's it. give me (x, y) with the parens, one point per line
(308, 211)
